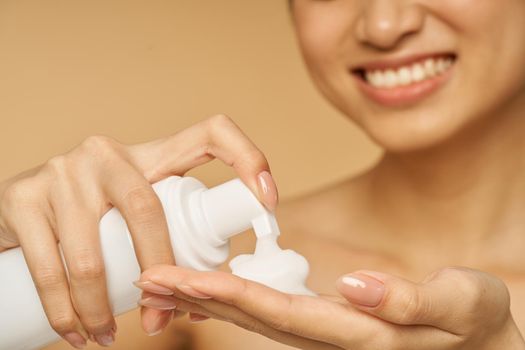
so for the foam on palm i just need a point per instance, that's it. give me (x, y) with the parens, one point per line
(283, 270)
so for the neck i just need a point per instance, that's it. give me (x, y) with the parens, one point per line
(461, 195)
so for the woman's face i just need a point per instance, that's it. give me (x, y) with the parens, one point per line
(414, 73)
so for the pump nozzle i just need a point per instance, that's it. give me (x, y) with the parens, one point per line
(231, 208)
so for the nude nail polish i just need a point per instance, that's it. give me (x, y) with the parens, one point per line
(197, 318)
(158, 303)
(361, 289)
(76, 340)
(267, 190)
(160, 323)
(105, 339)
(192, 292)
(154, 288)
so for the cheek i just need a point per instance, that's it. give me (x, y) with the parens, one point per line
(493, 50)
(319, 43)
(324, 30)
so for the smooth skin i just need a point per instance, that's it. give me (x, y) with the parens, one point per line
(449, 191)
(64, 199)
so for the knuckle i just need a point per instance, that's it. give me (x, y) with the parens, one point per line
(99, 324)
(503, 292)
(99, 146)
(141, 202)
(414, 307)
(19, 193)
(86, 267)
(63, 323)
(471, 286)
(49, 279)
(97, 142)
(216, 124)
(58, 165)
(219, 120)
(253, 156)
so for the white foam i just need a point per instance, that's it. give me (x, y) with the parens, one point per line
(283, 270)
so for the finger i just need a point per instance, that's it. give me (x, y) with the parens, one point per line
(287, 313)
(77, 229)
(449, 299)
(224, 312)
(155, 321)
(141, 208)
(43, 260)
(217, 137)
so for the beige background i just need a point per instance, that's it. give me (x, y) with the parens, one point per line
(138, 70)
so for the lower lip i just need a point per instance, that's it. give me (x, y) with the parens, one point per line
(405, 95)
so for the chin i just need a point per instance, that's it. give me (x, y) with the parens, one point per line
(406, 132)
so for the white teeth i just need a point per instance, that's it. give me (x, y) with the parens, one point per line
(390, 78)
(418, 73)
(430, 68)
(404, 75)
(408, 74)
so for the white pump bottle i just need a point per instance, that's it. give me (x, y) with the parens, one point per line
(200, 223)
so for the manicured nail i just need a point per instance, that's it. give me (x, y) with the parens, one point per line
(160, 323)
(158, 303)
(196, 318)
(76, 340)
(105, 339)
(184, 288)
(268, 190)
(361, 289)
(151, 287)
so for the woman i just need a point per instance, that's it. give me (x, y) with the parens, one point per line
(449, 191)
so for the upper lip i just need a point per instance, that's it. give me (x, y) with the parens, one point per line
(396, 62)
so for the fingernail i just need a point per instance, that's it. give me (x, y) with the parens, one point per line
(160, 324)
(76, 340)
(190, 291)
(105, 339)
(151, 287)
(362, 290)
(196, 318)
(268, 190)
(158, 303)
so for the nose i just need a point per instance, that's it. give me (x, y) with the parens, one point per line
(385, 23)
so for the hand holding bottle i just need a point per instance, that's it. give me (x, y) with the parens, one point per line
(64, 199)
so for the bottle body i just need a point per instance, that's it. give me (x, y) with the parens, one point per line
(23, 323)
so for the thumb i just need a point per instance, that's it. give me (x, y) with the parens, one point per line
(445, 299)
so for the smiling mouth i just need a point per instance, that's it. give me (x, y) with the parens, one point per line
(406, 80)
(406, 74)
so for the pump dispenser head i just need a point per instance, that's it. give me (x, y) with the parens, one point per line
(231, 208)
(210, 217)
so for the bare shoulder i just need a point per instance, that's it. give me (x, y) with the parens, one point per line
(330, 212)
